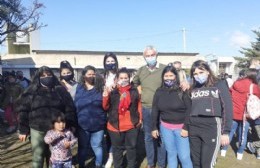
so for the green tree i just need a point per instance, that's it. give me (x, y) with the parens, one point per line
(249, 53)
(14, 17)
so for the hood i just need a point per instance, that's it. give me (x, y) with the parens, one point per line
(242, 86)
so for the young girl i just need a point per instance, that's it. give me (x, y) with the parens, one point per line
(60, 140)
(124, 119)
(211, 115)
(170, 113)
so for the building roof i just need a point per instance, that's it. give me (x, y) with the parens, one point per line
(104, 52)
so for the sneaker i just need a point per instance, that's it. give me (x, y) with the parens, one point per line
(109, 163)
(258, 157)
(239, 156)
(223, 153)
(250, 147)
(10, 129)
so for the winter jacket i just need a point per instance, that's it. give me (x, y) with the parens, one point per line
(111, 104)
(213, 101)
(91, 116)
(239, 92)
(35, 109)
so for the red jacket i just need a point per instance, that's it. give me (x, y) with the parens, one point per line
(239, 92)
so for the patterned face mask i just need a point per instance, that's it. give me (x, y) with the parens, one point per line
(169, 82)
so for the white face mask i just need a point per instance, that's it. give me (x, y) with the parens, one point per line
(123, 83)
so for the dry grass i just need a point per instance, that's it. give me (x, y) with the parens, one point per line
(15, 154)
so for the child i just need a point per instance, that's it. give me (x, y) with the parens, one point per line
(211, 115)
(124, 118)
(60, 140)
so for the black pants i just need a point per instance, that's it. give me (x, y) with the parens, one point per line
(204, 135)
(121, 141)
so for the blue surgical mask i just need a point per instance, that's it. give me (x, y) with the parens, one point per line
(169, 82)
(151, 61)
(201, 78)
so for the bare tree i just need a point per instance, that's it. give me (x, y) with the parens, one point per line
(14, 17)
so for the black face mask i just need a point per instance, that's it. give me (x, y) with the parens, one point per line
(67, 78)
(47, 81)
(110, 66)
(90, 80)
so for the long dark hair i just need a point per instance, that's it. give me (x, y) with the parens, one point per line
(251, 74)
(172, 69)
(202, 65)
(112, 55)
(99, 81)
(124, 70)
(66, 65)
(35, 84)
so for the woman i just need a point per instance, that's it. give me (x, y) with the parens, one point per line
(124, 119)
(35, 107)
(211, 115)
(239, 92)
(170, 113)
(91, 116)
(67, 78)
(111, 67)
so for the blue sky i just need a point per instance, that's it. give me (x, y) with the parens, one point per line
(212, 27)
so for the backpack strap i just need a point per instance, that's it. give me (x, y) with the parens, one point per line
(251, 88)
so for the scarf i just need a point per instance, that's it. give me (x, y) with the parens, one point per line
(125, 99)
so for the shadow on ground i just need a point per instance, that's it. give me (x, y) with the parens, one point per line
(15, 154)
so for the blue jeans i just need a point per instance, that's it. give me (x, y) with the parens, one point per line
(87, 139)
(175, 146)
(242, 144)
(150, 141)
(62, 164)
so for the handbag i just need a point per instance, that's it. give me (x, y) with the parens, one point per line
(253, 104)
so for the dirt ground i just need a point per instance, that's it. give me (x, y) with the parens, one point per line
(15, 154)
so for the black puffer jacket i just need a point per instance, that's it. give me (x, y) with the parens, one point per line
(35, 109)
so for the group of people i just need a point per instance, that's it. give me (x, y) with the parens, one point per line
(185, 121)
(12, 85)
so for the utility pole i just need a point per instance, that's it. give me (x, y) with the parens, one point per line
(184, 39)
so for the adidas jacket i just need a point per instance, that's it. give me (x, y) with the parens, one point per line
(213, 101)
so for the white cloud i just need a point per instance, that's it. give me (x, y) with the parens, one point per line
(239, 39)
